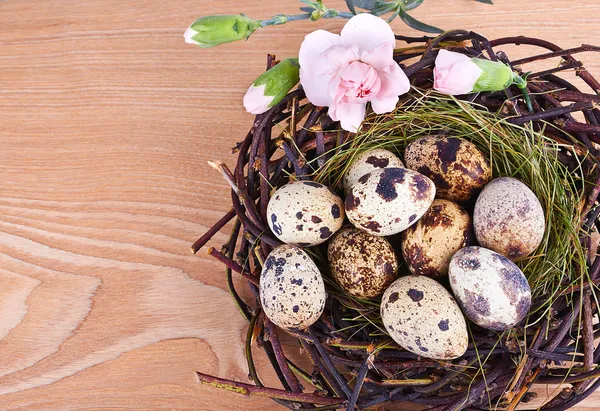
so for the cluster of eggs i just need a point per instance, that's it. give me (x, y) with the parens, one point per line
(420, 203)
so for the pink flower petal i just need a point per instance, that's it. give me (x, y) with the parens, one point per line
(255, 100)
(446, 59)
(367, 31)
(384, 105)
(380, 57)
(313, 45)
(315, 87)
(457, 80)
(335, 58)
(350, 115)
(393, 82)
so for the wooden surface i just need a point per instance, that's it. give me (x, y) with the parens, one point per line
(107, 120)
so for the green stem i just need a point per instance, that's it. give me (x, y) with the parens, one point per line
(521, 83)
(283, 18)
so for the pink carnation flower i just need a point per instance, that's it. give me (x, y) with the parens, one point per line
(344, 72)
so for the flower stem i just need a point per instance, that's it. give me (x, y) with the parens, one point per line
(521, 83)
(284, 18)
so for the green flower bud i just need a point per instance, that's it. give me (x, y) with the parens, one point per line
(495, 76)
(212, 31)
(272, 86)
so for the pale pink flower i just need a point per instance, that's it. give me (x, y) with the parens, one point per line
(455, 73)
(344, 72)
(255, 100)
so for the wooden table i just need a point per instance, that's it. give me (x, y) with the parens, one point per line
(107, 122)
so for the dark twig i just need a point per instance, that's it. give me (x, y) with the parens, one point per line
(231, 264)
(247, 389)
(330, 367)
(358, 383)
(212, 231)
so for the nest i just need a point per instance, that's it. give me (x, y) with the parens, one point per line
(355, 364)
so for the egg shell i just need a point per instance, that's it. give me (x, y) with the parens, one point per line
(423, 318)
(292, 291)
(491, 289)
(305, 213)
(369, 161)
(388, 201)
(457, 167)
(508, 218)
(428, 246)
(362, 264)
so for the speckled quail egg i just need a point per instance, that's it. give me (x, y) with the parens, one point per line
(292, 291)
(367, 162)
(423, 318)
(491, 289)
(362, 264)
(388, 201)
(457, 167)
(508, 218)
(428, 245)
(305, 213)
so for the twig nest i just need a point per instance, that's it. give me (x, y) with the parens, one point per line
(362, 264)
(388, 201)
(491, 289)
(369, 161)
(456, 166)
(423, 318)
(508, 218)
(292, 291)
(305, 213)
(428, 245)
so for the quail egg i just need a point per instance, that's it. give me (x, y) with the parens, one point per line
(508, 218)
(388, 201)
(367, 162)
(362, 264)
(491, 289)
(423, 318)
(305, 213)
(292, 291)
(456, 166)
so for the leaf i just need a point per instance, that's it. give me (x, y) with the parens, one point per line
(412, 4)
(485, 1)
(366, 4)
(350, 4)
(418, 25)
(307, 9)
(394, 15)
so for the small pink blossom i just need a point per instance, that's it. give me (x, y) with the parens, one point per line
(255, 100)
(344, 72)
(455, 73)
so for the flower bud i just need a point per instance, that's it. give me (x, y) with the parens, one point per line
(455, 74)
(272, 86)
(212, 31)
(496, 76)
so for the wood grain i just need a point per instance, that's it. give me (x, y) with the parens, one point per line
(107, 122)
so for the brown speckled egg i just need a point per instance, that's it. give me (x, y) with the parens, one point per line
(292, 291)
(457, 167)
(428, 246)
(508, 218)
(423, 318)
(388, 201)
(491, 289)
(305, 213)
(361, 263)
(367, 162)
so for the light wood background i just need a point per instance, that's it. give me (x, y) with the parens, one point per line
(107, 120)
